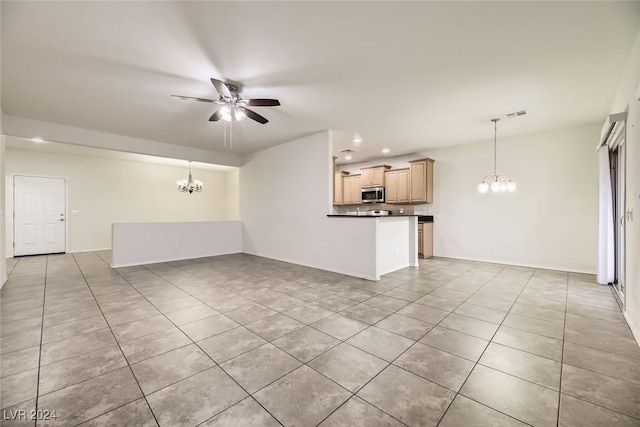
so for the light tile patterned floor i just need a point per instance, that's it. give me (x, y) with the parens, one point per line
(241, 340)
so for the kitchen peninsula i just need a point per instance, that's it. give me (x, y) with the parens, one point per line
(397, 239)
(386, 243)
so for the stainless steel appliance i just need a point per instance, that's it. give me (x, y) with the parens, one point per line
(373, 195)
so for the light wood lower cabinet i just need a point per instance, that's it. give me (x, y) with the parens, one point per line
(425, 240)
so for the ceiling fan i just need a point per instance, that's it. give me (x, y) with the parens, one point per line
(233, 106)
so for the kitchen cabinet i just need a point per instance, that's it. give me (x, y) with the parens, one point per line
(425, 240)
(397, 186)
(352, 190)
(421, 181)
(374, 176)
(338, 188)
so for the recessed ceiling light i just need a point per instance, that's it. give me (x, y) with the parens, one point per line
(357, 139)
(347, 157)
(37, 139)
(385, 150)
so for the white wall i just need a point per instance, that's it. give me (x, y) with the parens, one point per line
(3, 257)
(627, 98)
(105, 191)
(148, 243)
(549, 222)
(233, 196)
(285, 196)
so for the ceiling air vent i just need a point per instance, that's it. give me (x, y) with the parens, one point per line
(516, 114)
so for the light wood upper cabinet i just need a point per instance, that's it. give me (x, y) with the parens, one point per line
(338, 187)
(397, 186)
(352, 190)
(402, 186)
(374, 176)
(356, 190)
(421, 181)
(391, 178)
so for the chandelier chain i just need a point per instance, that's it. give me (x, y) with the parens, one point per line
(495, 146)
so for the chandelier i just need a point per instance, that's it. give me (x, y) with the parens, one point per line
(497, 183)
(189, 185)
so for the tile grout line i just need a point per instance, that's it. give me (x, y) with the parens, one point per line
(397, 357)
(485, 349)
(562, 355)
(117, 343)
(44, 299)
(397, 286)
(198, 346)
(303, 363)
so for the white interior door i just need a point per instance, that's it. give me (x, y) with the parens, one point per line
(39, 225)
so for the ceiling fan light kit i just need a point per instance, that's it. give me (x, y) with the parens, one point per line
(497, 183)
(234, 107)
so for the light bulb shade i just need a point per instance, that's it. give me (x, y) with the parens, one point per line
(511, 186)
(483, 188)
(225, 113)
(495, 186)
(239, 114)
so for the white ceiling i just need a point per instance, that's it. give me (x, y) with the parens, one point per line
(405, 75)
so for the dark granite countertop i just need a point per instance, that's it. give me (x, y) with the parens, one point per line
(421, 218)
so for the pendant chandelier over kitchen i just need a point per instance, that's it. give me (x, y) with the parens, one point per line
(497, 183)
(189, 185)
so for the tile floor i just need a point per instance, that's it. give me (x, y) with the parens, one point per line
(245, 341)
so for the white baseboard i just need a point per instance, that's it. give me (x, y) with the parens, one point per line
(88, 250)
(157, 261)
(540, 266)
(319, 267)
(634, 328)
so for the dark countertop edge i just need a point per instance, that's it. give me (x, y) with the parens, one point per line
(380, 216)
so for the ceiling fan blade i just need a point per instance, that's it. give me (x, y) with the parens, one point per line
(263, 102)
(255, 116)
(221, 88)
(215, 116)
(193, 97)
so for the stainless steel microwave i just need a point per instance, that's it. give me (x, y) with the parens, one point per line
(373, 195)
